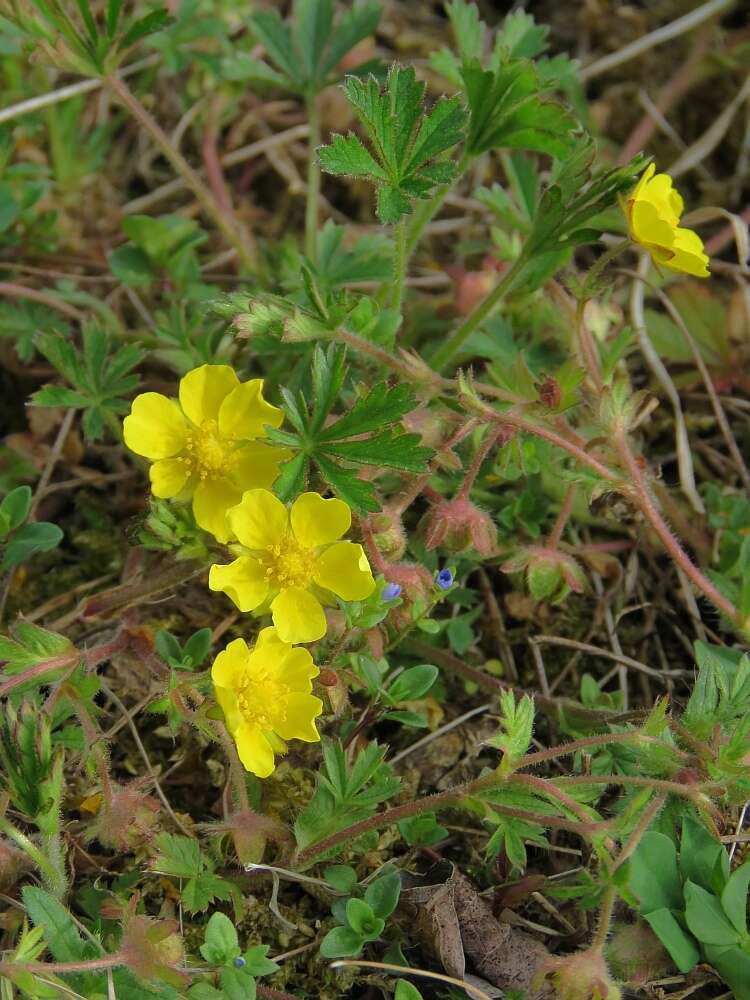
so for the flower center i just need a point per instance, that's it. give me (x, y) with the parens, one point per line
(262, 701)
(206, 452)
(288, 564)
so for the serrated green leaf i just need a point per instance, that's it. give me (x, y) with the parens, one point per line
(346, 155)
(404, 138)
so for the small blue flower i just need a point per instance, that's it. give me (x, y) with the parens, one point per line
(240, 963)
(391, 591)
(445, 579)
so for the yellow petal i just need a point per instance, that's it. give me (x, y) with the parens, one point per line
(211, 501)
(260, 520)
(204, 389)
(645, 177)
(316, 521)
(297, 668)
(343, 568)
(269, 637)
(689, 256)
(301, 712)
(245, 413)
(243, 581)
(298, 616)
(256, 465)
(230, 666)
(168, 477)
(660, 193)
(648, 226)
(155, 427)
(227, 701)
(254, 750)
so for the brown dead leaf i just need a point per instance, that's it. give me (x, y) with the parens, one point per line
(457, 923)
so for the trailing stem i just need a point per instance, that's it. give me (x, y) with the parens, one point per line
(641, 496)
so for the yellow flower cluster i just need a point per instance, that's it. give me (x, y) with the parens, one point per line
(208, 447)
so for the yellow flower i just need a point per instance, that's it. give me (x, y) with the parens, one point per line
(264, 693)
(205, 446)
(292, 562)
(653, 210)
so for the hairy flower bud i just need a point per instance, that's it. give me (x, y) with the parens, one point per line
(388, 533)
(636, 954)
(458, 524)
(250, 831)
(152, 949)
(127, 820)
(581, 976)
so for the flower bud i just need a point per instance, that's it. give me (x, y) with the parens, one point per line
(152, 949)
(127, 820)
(388, 533)
(581, 976)
(636, 954)
(458, 524)
(550, 574)
(250, 832)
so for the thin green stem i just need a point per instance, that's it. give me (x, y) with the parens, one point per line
(313, 180)
(427, 210)
(54, 877)
(225, 221)
(400, 263)
(451, 347)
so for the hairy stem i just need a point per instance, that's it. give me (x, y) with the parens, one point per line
(227, 225)
(400, 264)
(531, 759)
(562, 518)
(427, 210)
(313, 180)
(451, 798)
(641, 495)
(604, 922)
(476, 463)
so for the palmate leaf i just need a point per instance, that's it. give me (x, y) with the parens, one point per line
(508, 111)
(405, 140)
(101, 378)
(307, 49)
(368, 434)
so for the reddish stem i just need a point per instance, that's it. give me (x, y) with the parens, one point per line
(476, 464)
(641, 495)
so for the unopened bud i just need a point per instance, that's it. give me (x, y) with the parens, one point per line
(388, 533)
(457, 525)
(126, 820)
(581, 976)
(152, 949)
